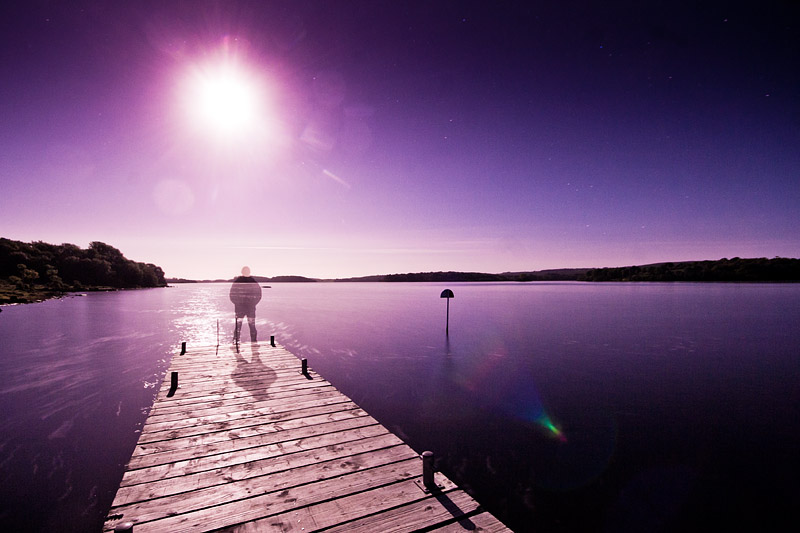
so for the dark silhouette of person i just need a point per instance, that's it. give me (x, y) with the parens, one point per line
(245, 294)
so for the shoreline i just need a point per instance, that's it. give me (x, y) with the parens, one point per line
(11, 295)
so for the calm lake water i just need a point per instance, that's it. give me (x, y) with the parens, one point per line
(561, 406)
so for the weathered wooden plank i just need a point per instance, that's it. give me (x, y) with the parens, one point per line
(242, 416)
(346, 508)
(206, 460)
(369, 451)
(192, 385)
(249, 405)
(181, 403)
(211, 401)
(229, 356)
(250, 364)
(232, 502)
(244, 364)
(236, 442)
(192, 382)
(441, 508)
(290, 422)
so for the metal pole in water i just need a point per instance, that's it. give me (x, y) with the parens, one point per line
(447, 293)
(218, 332)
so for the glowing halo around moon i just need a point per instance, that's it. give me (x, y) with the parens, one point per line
(228, 102)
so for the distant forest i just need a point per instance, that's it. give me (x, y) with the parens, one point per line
(564, 274)
(39, 267)
(736, 269)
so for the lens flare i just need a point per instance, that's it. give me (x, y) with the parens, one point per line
(497, 377)
(528, 405)
(546, 423)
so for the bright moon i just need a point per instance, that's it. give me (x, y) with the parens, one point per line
(225, 101)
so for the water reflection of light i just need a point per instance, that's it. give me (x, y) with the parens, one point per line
(198, 318)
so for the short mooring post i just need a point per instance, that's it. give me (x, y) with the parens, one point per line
(173, 386)
(447, 293)
(304, 366)
(427, 471)
(124, 527)
(183, 347)
(272, 340)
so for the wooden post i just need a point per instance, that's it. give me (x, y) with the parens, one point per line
(183, 348)
(304, 366)
(272, 340)
(173, 386)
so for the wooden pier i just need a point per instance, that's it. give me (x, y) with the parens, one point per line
(248, 442)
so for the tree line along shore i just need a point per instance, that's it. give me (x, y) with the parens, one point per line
(36, 271)
(731, 270)
(31, 272)
(778, 269)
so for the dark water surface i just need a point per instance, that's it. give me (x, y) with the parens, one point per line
(561, 406)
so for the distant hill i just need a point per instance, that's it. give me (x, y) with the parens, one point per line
(286, 279)
(38, 270)
(564, 274)
(736, 269)
(259, 279)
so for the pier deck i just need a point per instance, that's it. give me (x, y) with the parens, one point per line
(249, 443)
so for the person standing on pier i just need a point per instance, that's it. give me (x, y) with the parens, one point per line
(245, 294)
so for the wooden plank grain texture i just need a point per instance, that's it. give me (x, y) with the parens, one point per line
(249, 443)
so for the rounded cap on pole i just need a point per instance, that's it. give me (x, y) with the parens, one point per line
(447, 293)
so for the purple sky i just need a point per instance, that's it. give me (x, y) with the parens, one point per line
(404, 136)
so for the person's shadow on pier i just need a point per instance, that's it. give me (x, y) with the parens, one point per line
(455, 510)
(253, 376)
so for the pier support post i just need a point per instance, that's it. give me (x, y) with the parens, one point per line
(183, 348)
(272, 340)
(173, 386)
(124, 527)
(304, 367)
